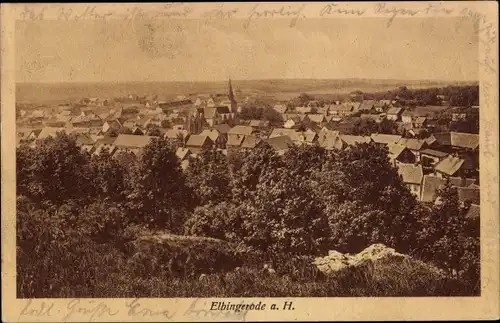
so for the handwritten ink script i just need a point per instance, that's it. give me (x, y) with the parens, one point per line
(294, 12)
(95, 12)
(94, 310)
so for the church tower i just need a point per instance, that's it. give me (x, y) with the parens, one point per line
(231, 98)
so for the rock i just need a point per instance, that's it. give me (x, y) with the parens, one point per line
(336, 261)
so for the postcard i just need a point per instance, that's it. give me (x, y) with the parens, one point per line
(329, 161)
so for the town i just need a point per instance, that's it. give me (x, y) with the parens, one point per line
(427, 143)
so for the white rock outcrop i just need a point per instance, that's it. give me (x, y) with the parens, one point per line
(336, 261)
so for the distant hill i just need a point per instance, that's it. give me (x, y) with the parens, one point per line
(281, 89)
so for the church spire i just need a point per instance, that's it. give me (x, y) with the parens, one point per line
(230, 94)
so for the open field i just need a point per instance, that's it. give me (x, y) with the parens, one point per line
(280, 89)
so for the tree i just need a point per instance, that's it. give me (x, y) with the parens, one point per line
(217, 220)
(55, 171)
(283, 215)
(448, 238)
(165, 124)
(250, 113)
(108, 176)
(304, 160)
(153, 130)
(271, 115)
(113, 132)
(159, 195)
(360, 180)
(247, 167)
(208, 177)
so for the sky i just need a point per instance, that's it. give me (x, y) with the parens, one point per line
(202, 50)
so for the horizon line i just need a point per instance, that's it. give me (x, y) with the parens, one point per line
(259, 79)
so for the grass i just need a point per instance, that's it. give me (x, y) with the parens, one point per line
(86, 269)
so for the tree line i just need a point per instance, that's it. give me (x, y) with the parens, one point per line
(305, 202)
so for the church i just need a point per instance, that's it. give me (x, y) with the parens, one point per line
(214, 110)
(223, 100)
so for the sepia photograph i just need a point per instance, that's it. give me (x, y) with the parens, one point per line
(163, 154)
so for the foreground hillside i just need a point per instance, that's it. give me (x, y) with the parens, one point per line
(164, 265)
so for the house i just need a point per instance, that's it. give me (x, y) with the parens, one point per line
(217, 138)
(106, 143)
(414, 145)
(85, 142)
(212, 134)
(293, 116)
(280, 108)
(322, 110)
(462, 182)
(131, 143)
(114, 125)
(430, 157)
(407, 116)
(251, 142)
(197, 143)
(87, 120)
(291, 133)
(137, 131)
(457, 116)
(290, 123)
(176, 105)
(331, 143)
(385, 139)
(342, 110)
(217, 114)
(457, 141)
(367, 105)
(430, 186)
(175, 134)
(54, 123)
(351, 140)
(129, 124)
(400, 154)
(308, 137)
(49, 132)
(473, 212)
(222, 128)
(240, 130)
(26, 134)
(469, 194)
(419, 122)
(78, 131)
(449, 166)
(412, 177)
(211, 102)
(182, 153)
(394, 113)
(281, 144)
(375, 117)
(325, 132)
(234, 141)
(313, 104)
(316, 118)
(379, 106)
(258, 124)
(303, 110)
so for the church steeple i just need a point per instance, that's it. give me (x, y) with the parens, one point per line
(231, 98)
(230, 93)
